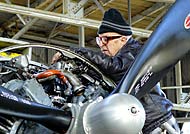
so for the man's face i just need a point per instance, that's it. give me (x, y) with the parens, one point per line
(110, 43)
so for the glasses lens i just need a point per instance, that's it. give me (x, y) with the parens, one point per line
(104, 40)
(101, 39)
(98, 40)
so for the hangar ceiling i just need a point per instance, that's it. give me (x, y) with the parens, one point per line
(73, 22)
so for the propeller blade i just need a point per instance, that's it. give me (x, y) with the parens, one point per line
(167, 44)
(52, 118)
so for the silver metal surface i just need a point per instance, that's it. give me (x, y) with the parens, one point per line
(117, 114)
(178, 80)
(32, 89)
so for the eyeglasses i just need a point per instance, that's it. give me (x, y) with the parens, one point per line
(105, 39)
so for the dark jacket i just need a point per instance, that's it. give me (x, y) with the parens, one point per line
(157, 107)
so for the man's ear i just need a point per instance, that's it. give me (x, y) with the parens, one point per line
(124, 39)
(127, 38)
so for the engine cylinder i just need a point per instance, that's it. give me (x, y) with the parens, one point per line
(118, 114)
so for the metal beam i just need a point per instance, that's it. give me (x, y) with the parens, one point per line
(165, 1)
(154, 22)
(153, 9)
(99, 5)
(181, 107)
(52, 41)
(78, 6)
(178, 80)
(56, 17)
(11, 22)
(29, 24)
(47, 15)
(12, 41)
(60, 43)
(82, 36)
(129, 12)
(18, 15)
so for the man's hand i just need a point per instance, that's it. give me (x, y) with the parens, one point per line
(56, 57)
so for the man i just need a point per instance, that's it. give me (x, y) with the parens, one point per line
(118, 51)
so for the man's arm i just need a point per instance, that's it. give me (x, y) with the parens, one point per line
(113, 67)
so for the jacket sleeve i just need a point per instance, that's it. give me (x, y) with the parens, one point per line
(114, 67)
(104, 62)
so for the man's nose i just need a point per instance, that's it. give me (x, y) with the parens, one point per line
(101, 44)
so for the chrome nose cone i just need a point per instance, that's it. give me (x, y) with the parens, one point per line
(118, 114)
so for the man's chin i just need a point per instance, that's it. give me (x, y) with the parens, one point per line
(106, 53)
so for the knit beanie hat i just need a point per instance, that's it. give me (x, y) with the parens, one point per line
(114, 22)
